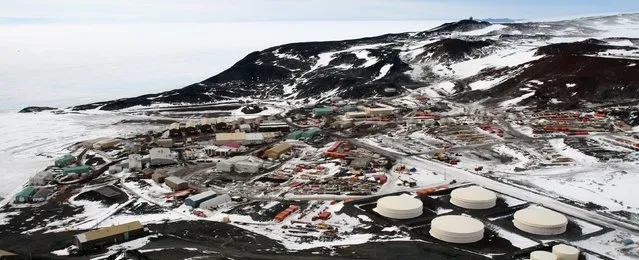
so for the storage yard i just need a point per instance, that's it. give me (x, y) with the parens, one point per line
(341, 173)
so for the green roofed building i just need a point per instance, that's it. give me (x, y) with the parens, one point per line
(65, 160)
(76, 169)
(295, 135)
(311, 133)
(322, 111)
(25, 194)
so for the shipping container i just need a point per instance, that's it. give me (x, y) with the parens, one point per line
(76, 169)
(65, 160)
(25, 195)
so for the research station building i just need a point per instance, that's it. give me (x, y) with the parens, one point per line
(109, 235)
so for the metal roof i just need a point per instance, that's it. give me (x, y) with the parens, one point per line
(230, 136)
(109, 231)
(174, 179)
(203, 195)
(254, 136)
(280, 148)
(322, 109)
(361, 162)
(108, 191)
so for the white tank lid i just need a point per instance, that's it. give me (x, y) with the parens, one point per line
(537, 216)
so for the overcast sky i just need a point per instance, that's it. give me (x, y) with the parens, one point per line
(70, 52)
(29, 11)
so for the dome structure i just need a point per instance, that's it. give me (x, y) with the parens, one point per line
(473, 197)
(399, 207)
(457, 229)
(565, 252)
(542, 255)
(540, 221)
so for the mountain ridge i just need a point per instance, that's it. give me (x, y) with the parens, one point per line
(468, 53)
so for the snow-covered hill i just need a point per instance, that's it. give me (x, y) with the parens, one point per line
(561, 63)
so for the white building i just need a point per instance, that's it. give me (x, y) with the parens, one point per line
(227, 165)
(254, 138)
(41, 178)
(245, 128)
(247, 167)
(161, 156)
(224, 166)
(214, 203)
(239, 164)
(115, 169)
(135, 162)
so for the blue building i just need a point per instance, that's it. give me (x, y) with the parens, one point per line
(195, 200)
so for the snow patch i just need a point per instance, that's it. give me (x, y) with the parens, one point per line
(516, 100)
(516, 240)
(486, 84)
(483, 31)
(383, 71)
(365, 55)
(446, 86)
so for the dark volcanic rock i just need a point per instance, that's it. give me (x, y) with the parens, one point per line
(35, 109)
(567, 78)
(252, 109)
(462, 26)
(456, 49)
(590, 46)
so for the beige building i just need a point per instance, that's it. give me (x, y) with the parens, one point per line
(356, 114)
(245, 138)
(227, 138)
(276, 151)
(382, 111)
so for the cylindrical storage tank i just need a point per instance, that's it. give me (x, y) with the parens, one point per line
(540, 221)
(542, 255)
(457, 229)
(565, 252)
(399, 207)
(473, 197)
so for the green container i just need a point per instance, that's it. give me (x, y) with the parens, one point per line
(311, 133)
(295, 135)
(64, 160)
(349, 108)
(25, 194)
(76, 169)
(322, 111)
